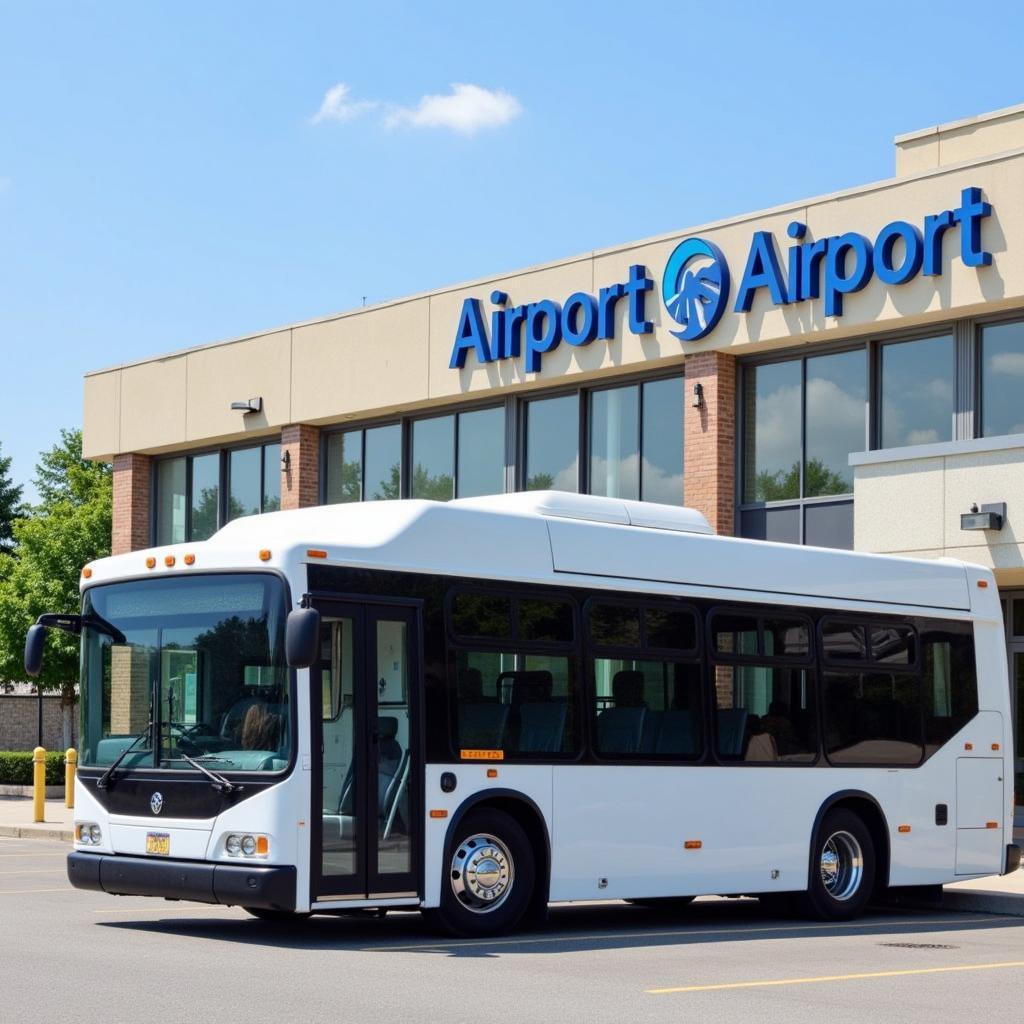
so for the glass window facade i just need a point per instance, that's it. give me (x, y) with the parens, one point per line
(1001, 369)
(622, 442)
(917, 391)
(196, 494)
(802, 418)
(552, 444)
(636, 442)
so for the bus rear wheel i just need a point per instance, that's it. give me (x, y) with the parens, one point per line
(842, 875)
(489, 876)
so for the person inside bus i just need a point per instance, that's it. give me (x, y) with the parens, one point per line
(261, 729)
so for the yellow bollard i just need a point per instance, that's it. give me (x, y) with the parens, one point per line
(70, 764)
(39, 784)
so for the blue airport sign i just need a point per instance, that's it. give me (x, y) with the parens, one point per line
(695, 285)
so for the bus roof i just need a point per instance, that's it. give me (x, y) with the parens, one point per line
(555, 537)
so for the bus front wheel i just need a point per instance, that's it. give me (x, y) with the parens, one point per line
(842, 875)
(489, 876)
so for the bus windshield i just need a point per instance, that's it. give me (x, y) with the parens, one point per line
(202, 657)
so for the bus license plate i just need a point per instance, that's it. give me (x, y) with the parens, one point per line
(158, 843)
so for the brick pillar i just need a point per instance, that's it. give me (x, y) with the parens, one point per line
(300, 482)
(131, 526)
(709, 472)
(129, 689)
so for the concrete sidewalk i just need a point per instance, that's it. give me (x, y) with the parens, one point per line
(16, 820)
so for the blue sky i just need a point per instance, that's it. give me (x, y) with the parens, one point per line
(165, 179)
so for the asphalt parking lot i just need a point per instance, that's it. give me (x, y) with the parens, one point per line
(88, 957)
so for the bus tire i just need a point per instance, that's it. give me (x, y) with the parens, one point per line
(277, 916)
(489, 876)
(842, 868)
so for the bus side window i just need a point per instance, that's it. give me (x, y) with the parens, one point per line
(950, 681)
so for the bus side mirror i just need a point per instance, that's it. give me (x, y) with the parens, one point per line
(302, 637)
(34, 641)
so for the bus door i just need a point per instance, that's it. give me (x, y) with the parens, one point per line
(365, 740)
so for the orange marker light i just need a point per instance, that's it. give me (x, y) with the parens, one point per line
(169, 561)
(995, 746)
(904, 829)
(693, 844)
(265, 555)
(262, 845)
(991, 824)
(151, 562)
(316, 553)
(968, 746)
(983, 584)
(189, 559)
(438, 813)
(87, 572)
(492, 773)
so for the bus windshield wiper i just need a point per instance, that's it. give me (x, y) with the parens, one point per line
(220, 783)
(103, 781)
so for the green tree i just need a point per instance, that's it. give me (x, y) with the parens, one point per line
(784, 484)
(11, 509)
(67, 528)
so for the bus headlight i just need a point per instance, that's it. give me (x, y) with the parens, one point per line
(87, 833)
(246, 845)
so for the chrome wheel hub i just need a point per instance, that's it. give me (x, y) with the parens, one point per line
(482, 873)
(842, 866)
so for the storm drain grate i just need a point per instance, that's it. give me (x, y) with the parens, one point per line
(917, 945)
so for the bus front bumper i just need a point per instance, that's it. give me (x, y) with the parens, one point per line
(242, 885)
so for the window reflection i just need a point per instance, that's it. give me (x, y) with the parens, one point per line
(552, 444)
(835, 401)
(170, 506)
(1002, 376)
(771, 458)
(481, 452)
(271, 477)
(433, 455)
(244, 482)
(382, 466)
(917, 392)
(344, 466)
(205, 495)
(615, 442)
(661, 471)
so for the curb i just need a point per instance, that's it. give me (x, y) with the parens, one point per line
(979, 901)
(36, 832)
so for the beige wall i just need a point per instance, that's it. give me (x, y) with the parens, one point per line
(378, 360)
(912, 505)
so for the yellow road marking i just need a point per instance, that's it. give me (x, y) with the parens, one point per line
(834, 977)
(683, 933)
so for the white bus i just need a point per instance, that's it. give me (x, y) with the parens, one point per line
(480, 707)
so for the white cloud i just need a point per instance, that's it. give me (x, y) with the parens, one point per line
(1009, 363)
(337, 105)
(467, 109)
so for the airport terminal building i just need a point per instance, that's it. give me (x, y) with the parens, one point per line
(844, 371)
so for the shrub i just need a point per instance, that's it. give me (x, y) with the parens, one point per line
(16, 767)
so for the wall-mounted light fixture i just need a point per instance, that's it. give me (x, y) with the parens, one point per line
(286, 459)
(248, 406)
(698, 396)
(988, 517)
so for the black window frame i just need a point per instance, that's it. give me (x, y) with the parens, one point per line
(593, 652)
(223, 483)
(761, 613)
(868, 622)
